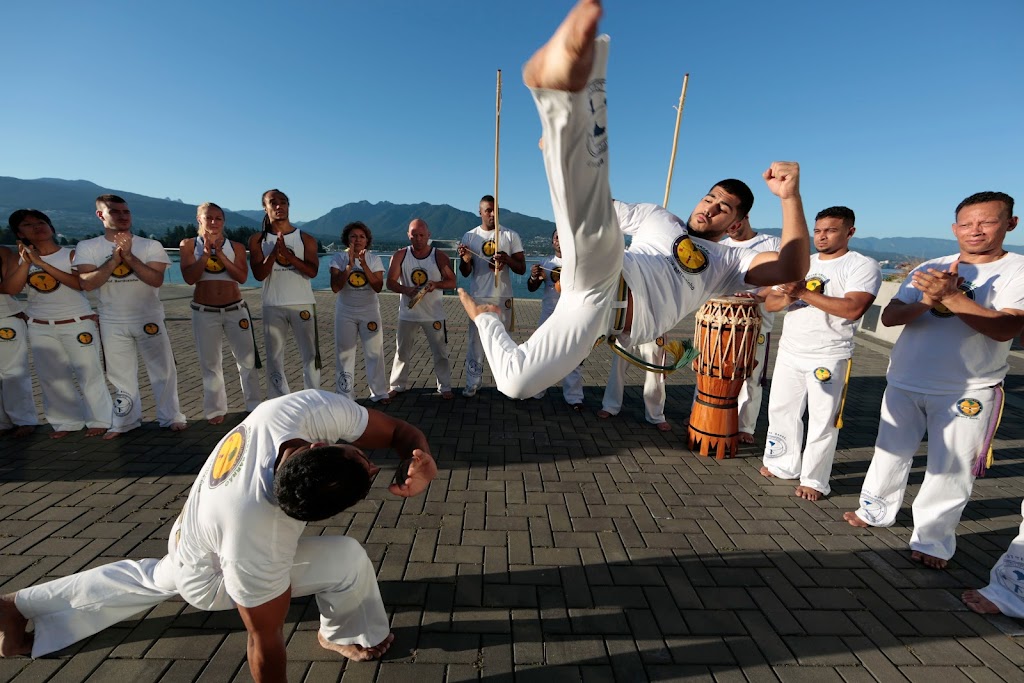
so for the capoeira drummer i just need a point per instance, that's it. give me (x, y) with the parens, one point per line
(284, 259)
(239, 543)
(128, 271)
(62, 329)
(17, 411)
(217, 266)
(665, 275)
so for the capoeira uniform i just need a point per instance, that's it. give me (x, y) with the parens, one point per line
(654, 382)
(357, 314)
(428, 316)
(1006, 581)
(288, 302)
(232, 545)
(132, 324)
(669, 274)
(66, 347)
(572, 384)
(750, 393)
(483, 289)
(16, 406)
(210, 325)
(944, 378)
(811, 371)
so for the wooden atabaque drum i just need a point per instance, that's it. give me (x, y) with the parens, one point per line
(726, 334)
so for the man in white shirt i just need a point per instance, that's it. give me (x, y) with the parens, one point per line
(812, 369)
(479, 258)
(239, 543)
(128, 271)
(945, 377)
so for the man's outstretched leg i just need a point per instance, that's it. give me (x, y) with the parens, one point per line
(564, 62)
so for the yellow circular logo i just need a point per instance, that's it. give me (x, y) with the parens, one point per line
(151, 328)
(437, 324)
(940, 310)
(304, 315)
(42, 282)
(357, 278)
(7, 333)
(84, 338)
(229, 456)
(968, 406)
(213, 265)
(122, 270)
(556, 274)
(660, 341)
(690, 257)
(419, 277)
(814, 284)
(489, 248)
(244, 323)
(760, 340)
(822, 374)
(371, 326)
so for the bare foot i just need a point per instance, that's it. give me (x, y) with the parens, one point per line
(664, 427)
(473, 309)
(447, 395)
(111, 435)
(765, 472)
(976, 602)
(23, 431)
(178, 426)
(564, 62)
(927, 560)
(603, 414)
(59, 435)
(216, 420)
(393, 393)
(746, 438)
(384, 401)
(94, 431)
(357, 653)
(807, 493)
(13, 639)
(854, 520)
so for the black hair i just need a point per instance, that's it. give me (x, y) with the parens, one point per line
(356, 225)
(319, 483)
(16, 219)
(740, 190)
(983, 197)
(842, 212)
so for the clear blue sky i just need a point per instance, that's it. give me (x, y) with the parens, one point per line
(896, 109)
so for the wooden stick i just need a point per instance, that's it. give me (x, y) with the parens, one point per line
(486, 258)
(497, 139)
(675, 139)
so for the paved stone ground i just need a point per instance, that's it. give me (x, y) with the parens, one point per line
(553, 546)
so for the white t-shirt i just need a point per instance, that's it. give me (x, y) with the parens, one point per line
(357, 294)
(672, 275)
(481, 280)
(48, 299)
(759, 243)
(937, 352)
(233, 541)
(552, 266)
(286, 286)
(809, 332)
(124, 298)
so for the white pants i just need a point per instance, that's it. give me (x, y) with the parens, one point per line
(209, 329)
(63, 354)
(572, 384)
(576, 160)
(405, 349)
(959, 427)
(16, 406)
(654, 383)
(1006, 581)
(475, 348)
(799, 383)
(302, 321)
(334, 568)
(348, 326)
(750, 392)
(123, 343)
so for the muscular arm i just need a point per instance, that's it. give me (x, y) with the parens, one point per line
(375, 280)
(776, 301)
(266, 651)
(339, 277)
(395, 273)
(900, 312)
(444, 264)
(309, 264)
(792, 259)
(261, 265)
(150, 273)
(93, 277)
(517, 262)
(6, 268)
(851, 306)
(237, 269)
(384, 431)
(1002, 325)
(191, 267)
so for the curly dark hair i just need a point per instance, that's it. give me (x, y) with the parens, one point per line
(320, 482)
(356, 225)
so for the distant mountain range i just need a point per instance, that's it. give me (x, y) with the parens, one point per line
(69, 203)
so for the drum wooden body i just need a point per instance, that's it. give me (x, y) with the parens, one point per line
(726, 334)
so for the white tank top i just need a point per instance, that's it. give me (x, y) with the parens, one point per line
(286, 286)
(215, 270)
(48, 299)
(416, 272)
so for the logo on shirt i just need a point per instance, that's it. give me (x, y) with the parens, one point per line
(213, 265)
(42, 282)
(969, 407)
(7, 333)
(357, 278)
(760, 340)
(815, 283)
(229, 456)
(940, 311)
(822, 374)
(304, 315)
(690, 257)
(84, 338)
(122, 270)
(419, 277)
(371, 326)
(151, 329)
(489, 248)
(597, 135)
(437, 324)
(774, 446)
(244, 323)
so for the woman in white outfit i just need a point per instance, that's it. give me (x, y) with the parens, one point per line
(357, 276)
(62, 329)
(217, 266)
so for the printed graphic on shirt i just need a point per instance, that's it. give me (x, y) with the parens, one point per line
(488, 249)
(42, 282)
(816, 283)
(357, 278)
(691, 257)
(213, 265)
(230, 455)
(419, 277)
(122, 270)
